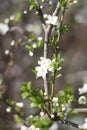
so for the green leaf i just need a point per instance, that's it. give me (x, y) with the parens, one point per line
(63, 4)
(32, 4)
(25, 95)
(64, 29)
(40, 44)
(44, 123)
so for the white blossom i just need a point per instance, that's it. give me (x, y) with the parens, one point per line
(41, 71)
(31, 53)
(41, 113)
(83, 89)
(32, 127)
(55, 99)
(23, 127)
(12, 17)
(44, 67)
(52, 116)
(84, 126)
(7, 52)
(34, 45)
(20, 104)
(45, 16)
(82, 100)
(8, 109)
(52, 20)
(6, 21)
(12, 43)
(40, 38)
(45, 62)
(3, 28)
(63, 108)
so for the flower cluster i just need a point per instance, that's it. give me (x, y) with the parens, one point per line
(45, 65)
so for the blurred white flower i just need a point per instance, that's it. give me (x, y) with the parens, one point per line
(20, 104)
(84, 126)
(12, 43)
(8, 109)
(31, 53)
(7, 52)
(35, 28)
(83, 89)
(52, 20)
(55, 99)
(34, 45)
(40, 38)
(32, 127)
(41, 113)
(82, 100)
(3, 28)
(23, 127)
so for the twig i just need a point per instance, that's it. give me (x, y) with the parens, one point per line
(81, 109)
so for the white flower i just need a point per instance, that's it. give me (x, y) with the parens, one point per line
(3, 28)
(41, 113)
(41, 71)
(84, 126)
(45, 65)
(52, 116)
(40, 38)
(32, 127)
(12, 17)
(45, 62)
(55, 99)
(7, 52)
(20, 104)
(83, 89)
(6, 21)
(52, 20)
(45, 16)
(75, 1)
(63, 108)
(31, 53)
(82, 100)
(8, 109)
(34, 45)
(24, 128)
(12, 43)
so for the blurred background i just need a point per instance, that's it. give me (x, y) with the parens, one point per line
(16, 64)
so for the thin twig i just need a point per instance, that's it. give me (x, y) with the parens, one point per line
(81, 109)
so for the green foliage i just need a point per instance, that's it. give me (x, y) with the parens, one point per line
(18, 119)
(35, 95)
(40, 44)
(57, 62)
(18, 17)
(67, 97)
(44, 123)
(63, 4)
(33, 5)
(0, 81)
(64, 29)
